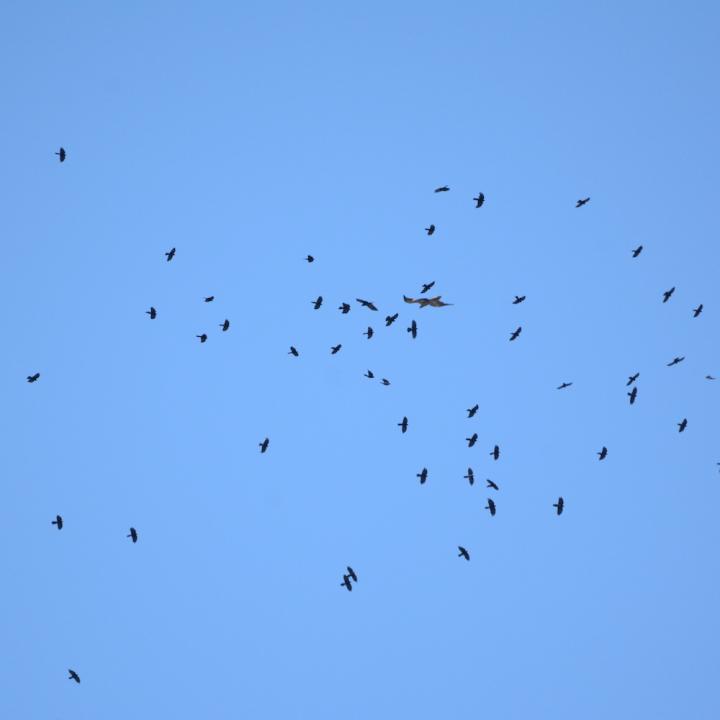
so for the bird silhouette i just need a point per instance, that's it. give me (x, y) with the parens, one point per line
(632, 379)
(470, 477)
(471, 411)
(463, 552)
(346, 582)
(310, 258)
(74, 676)
(344, 308)
(444, 188)
(369, 374)
(170, 255)
(369, 332)
(132, 534)
(637, 251)
(152, 312)
(582, 202)
(632, 395)
(58, 521)
(668, 294)
(209, 298)
(564, 385)
(491, 484)
(202, 337)
(264, 445)
(479, 200)
(426, 287)
(293, 351)
(516, 334)
(403, 425)
(351, 574)
(61, 154)
(682, 425)
(422, 475)
(390, 319)
(385, 381)
(698, 310)
(430, 230)
(33, 378)
(559, 505)
(367, 304)
(518, 299)
(225, 325)
(413, 329)
(495, 452)
(675, 361)
(335, 349)
(710, 377)
(490, 506)
(602, 454)
(472, 440)
(317, 303)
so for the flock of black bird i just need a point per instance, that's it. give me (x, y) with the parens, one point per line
(351, 577)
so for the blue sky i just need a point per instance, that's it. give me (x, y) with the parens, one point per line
(246, 136)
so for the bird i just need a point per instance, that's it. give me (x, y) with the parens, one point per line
(471, 411)
(710, 377)
(491, 484)
(560, 504)
(490, 506)
(675, 361)
(58, 521)
(317, 303)
(351, 574)
(293, 351)
(367, 304)
(582, 202)
(390, 319)
(632, 395)
(132, 534)
(369, 332)
(564, 385)
(170, 255)
(470, 477)
(33, 378)
(632, 379)
(444, 188)
(697, 310)
(463, 552)
(427, 286)
(516, 334)
(668, 294)
(430, 230)
(346, 582)
(74, 676)
(344, 308)
(413, 329)
(479, 200)
(637, 251)
(518, 299)
(682, 425)
(202, 337)
(472, 440)
(495, 452)
(209, 298)
(602, 454)
(61, 154)
(264, 445)
(403, 425)
(385, 381)
(152, 312)
(422, 475)
(310, 258)
(369, 374)
(225, 325)
(335, 349)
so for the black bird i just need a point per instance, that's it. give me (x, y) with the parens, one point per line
(582, 202)
(632, 395)
(668, 294)
(472, 440)
(413, 329)
(33, 378)
(369, 374)
(430, 230)
(471, 411)
(479, 200)
(344, 308)
(427, 286)
(370, 332)
(518, 299)
(463, 552)
(632, 379)
(515, 335)
(310, 258)
(560, 504)
(202, 337)
(602, 454)
(293, 351)
(367, 304)
(491, 506)
(132, 534)
(675, 361)
(209, 298)
(710, 377)
(403, 425)
(61, 154)
(698, 310)
(491, 484)
(495, 452)
(264, 445)
(170, 255)
(682, 425)
(385, 381)
(58, 521)
(444, 188)
(390, 319)
(73, 676)
(422, 475)
(637, 251)
(225, 325)
(152, 312)
(317, 303)
(564, 385)
(335, 349)
(470, 477)
(346, 582)
(351, 574)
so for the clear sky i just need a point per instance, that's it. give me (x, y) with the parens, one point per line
(247, 135)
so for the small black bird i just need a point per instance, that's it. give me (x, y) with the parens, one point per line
(470, 477)
(385, 381)
(491, 506)
(225, 325)
(463, 552)
(471, 411)
(346, 582)
(637, 251)
(61, 154)
(344, 308)
(351, 574)
(369, 374)
(668, 294)
(367, 304)
(152, 312)
(479, 200)
(472, 440)
(430, 230)
(413, 329)
(495, 452)
(403, 425)
(491, 484)
(582, 202)
(390, 319)
(370, 332)
(698, 310)
(602, 454)
(564, 385)
(444, 188)
(133, 534)
(74, 676)
(422, 475)
(202, 337)
(33, 378)
(170, 255)
(632, 395)
(632, 379)
(675, 361)
(518, 299)
(317, 303)
(427, 286)
(58, 521)
(335, 349)
(710, 377)
(516, 334)
(209, 298)
(293, 351)
(559, 505)
(682, 425)
(310, 258)
(264, 445)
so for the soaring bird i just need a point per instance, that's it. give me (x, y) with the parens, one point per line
(390, 319)
(369, 332)
(602, 454)
(33, 378)
(346, 582)
(516, 334)
(637, 251)
(698, 310)
(225, 325)
(367, 304)
(682, 425)
(317, 303)
(518, 299)
(170, 255)
(710, 377)
(310, 258)
(369, 374)
(564, 385)
(264, 445)
(422, 475)
(470, 477)
(344, 308)
(202, 337)
(73, 675)
(351, 574)
(335, 349)
(209, 298)
(472, 440)
(58, 521)
(293, 351)
(491, 484)
(632, 379)
(444, 188)
(471, 411)
(152, 312)
(668, 294)
(427, 286)
(385, 381)
(632, 395)
(430, 230)
(413, 329)
(463, 552)
(403, 425)
(495, 452)
(61, 154)
(559, 505)
(582, 202)
(490, 506)
(675, 361)
(479, 200)
(132, 534)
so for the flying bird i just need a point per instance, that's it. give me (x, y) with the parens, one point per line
(675, 361)
(444, 188)
(335, 349)
(472, 440)
(564, 385)
(367, 304)
(602, 454)
(344, 308)
(491, 484)
(470, 477)
(495, 452)
(479, 200)
(33, 378)
(225, 325)
(264, 445)
(430, 230)
(351, 574)
(390, 319)
(369, 374)
(58, 521)
(152, 312)
(385, 381)
(413, 329)
(490, 506)
(74, 676)
(463, 552)
(403, 425)
(422, 475)
(317, 303)
(698, 310)
(346, 582)
(427, 286)
(559, 505)
(516, 334)
(637, 251)
(710, 377)
(293, 351)
(668, 294)
(369, 332)
(471, 411)
(682, 425)
(61, 154)
(582, 202)
(632, 379)
(170, 255)
(132, 534)
(518, 299)
(209, 298)
(202, 337)
(632, 395)
(310, 258)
